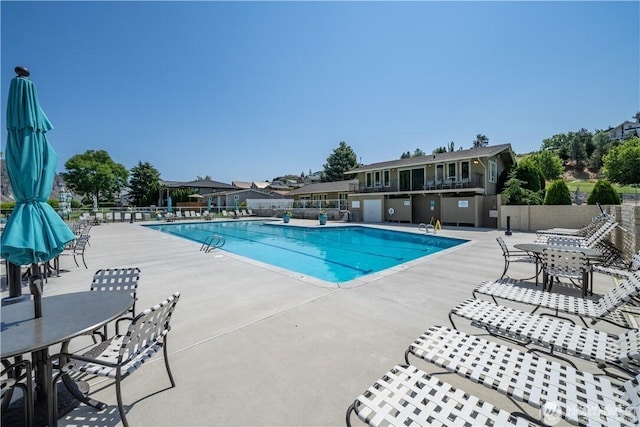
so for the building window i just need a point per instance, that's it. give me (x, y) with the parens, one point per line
(439, 174)
(451, 171)
(464, 173)
(386, 178)
(493, 171)
(376, 181)
(369, 181)
(405, 180)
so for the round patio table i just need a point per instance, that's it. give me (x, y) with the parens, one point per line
(63, 317)
(538, 248)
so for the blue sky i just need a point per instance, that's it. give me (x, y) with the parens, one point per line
(254, 90)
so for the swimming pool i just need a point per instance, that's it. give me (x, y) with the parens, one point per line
(332, 254)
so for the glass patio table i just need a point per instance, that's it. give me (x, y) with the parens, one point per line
(63, 317)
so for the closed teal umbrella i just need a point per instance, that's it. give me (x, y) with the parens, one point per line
(34, 232)
(169, 207)
(209, 204)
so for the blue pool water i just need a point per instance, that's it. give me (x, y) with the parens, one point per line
(333, 254)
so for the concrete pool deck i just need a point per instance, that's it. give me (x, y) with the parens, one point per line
(256, 345)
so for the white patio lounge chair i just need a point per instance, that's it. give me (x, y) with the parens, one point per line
(606, 308)
(619, 273)
(407, 396)
(554, 335)
(588, 241)
(117, 216)
(585, 231)
(579, 397)
(122, 355)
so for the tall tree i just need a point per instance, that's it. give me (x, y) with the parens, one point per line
(548, 162)
(203, 178)
(405, 155)
(452, 146)
(95, 175)
(576, 147)
(144, 184)
(558, 143)
(440, 150)
(418, 152)
(601, 145)
(622, 162)
(341, 160)
(480, 141)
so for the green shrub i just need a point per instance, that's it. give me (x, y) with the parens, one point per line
(603, 193)
(531, 175)
(558, 194)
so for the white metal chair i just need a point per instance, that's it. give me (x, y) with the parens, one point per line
(122, 355)
(579, 397)
(515, 256)
(568, 264)
(117, 280)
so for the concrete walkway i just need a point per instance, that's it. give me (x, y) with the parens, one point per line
(257, 345)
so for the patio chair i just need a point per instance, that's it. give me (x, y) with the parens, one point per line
(108, 217)
(122, 355)
(430, 185)
(568, 264)
(606, 308)
(515, 256)
(179, 215)
(18, 375)
(579, 397)
(554, 336)
(127, 217)
(99, 219)
(77, 249)
(138, 216)
(117, 280)
(406, 395)
(117, 216)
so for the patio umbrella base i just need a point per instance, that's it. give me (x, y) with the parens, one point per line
(14, 415)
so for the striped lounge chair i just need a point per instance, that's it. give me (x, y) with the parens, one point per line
(607, 308)
(579, 397)
(554, 336)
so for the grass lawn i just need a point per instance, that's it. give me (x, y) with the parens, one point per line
(586, 186)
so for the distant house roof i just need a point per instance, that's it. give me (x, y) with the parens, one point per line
(450, 156)
(241, 184)
(260, 184)
(236, 191)
(278, 186)
(327, 187)
(199, 183)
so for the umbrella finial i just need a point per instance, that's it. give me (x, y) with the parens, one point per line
(22, 71)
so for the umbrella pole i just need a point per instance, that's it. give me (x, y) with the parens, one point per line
(35, 285)
(14, 279)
